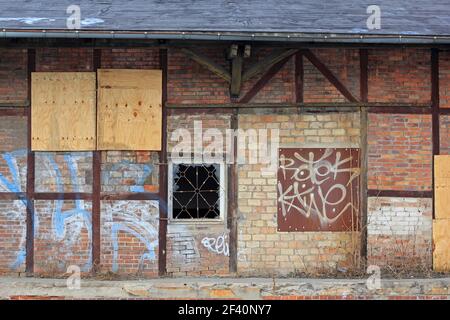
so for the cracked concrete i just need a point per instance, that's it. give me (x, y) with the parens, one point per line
(222, 288)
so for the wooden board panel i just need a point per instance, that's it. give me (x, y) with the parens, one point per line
(63, 111)
(441, 245)
(442, 186)
(129, 113)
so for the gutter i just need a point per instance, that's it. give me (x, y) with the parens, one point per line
(228, 36)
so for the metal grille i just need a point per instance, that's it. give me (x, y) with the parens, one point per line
(196, 191)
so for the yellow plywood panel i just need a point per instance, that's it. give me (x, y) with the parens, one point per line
(441, 245)
(442, 186)
(63, 111)
(129, 113)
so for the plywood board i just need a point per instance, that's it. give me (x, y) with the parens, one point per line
(441, 245)
(63, 111)
(129, 113)
(442, 186)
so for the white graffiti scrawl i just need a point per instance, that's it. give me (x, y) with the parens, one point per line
(318, 189)
(217, 245)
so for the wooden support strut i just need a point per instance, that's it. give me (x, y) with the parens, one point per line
(209, 64)
(364, 88)
(163, 173)
(96, 188)
(29, 245)
(435, 113)
(329, 75)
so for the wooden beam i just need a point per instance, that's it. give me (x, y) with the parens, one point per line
(29, 244)
(267, 63)
(130, 196)
(329, 75)
(400, 193)
(14, 111)
(163, 173)
(264, 80)
(435, 118)
(299, 78)
(232, 215)
(363, 92)
(236, 73)
(62, 196)
(8, 104)
(208, 64)
(96, 187)
(400, 110)
(13, 195)
(390, 107)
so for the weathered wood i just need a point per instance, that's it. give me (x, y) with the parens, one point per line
(232, 215)
(236, 74)
(387, 107)
(29, 244)
(135, 196)
(163, 173)
(96, 185)
(441, 245)
(267, 63)
(400, 193)
(299, 77)
(209, 64)
(62, 196)
(442, 186)
(363, 185)
(129, 109)
(329, 75)
(63, 111)
(13, 111)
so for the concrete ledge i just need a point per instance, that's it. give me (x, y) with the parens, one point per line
(224, 288)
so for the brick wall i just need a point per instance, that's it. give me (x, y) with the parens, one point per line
(129, 244)
(13, 75)
(400, 75)
(64, 59)
(13, 168)
(343, 63)
(444, 79)
(444, 127)
(62, 236)
(261, 249)
(130, 171)
(399, 233)
(399, 152)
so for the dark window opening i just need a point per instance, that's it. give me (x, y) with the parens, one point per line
(196, 191)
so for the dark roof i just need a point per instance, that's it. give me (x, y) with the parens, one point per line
(270, 17)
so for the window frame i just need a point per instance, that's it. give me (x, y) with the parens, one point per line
(223, 183)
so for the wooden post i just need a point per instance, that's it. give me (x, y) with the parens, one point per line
(364, 88)
(96, 186)
(29, 245)
(163, 174)
(435, 111)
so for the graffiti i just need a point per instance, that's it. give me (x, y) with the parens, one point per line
(17, 212)
(317, 189)
(141, 171)
(138, 219)
(217, 245)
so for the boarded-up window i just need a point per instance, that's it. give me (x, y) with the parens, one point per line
(129, 109)
(63, 111)
(318, 189)
(441, 224)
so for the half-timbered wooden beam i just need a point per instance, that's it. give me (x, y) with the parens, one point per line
(265, 79)
(236, 72)
(209, 64)
(267, 63)
(329, 75)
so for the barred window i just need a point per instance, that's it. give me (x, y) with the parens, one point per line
(196, 191)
